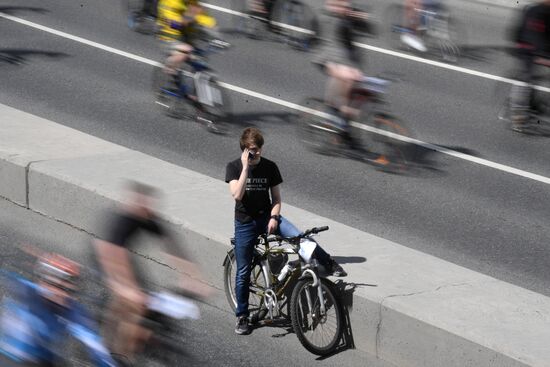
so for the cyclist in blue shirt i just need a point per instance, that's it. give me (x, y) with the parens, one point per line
(39, 314)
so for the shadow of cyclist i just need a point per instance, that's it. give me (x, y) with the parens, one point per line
(18, 56)
(12, 10)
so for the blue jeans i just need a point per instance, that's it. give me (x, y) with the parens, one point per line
(246, 236)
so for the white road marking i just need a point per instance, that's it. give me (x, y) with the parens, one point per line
(290, 105)
(238, 13)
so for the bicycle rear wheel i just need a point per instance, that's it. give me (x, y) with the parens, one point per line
(258, 285)
(168, 98)
(297, 22)
(445, 36)
(316, 132)
(319, 334)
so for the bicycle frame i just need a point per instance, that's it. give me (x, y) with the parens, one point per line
(304, 270)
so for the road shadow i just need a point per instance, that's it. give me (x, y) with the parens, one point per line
(12, 10)
(239, 121)
(424, 161)
(349, 259)
(19, 56)
(482, 52)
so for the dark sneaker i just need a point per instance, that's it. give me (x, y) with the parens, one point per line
(242, 327)
(336, 270)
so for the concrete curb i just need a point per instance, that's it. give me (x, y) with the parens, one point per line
(421, 311)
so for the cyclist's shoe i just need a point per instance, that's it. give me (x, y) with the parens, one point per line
(336, 269)
(242, 327)
(413, 41)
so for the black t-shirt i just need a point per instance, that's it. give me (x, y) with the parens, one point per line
(123, 227)
(261, 177)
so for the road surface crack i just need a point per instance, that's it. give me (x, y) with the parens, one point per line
(380, 310)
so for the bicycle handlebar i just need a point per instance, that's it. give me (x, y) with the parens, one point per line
(276, 238)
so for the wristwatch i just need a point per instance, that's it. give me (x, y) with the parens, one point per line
(276, 217)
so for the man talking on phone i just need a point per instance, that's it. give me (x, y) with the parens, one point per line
(254, 182)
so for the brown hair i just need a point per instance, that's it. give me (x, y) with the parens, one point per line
(251, 135)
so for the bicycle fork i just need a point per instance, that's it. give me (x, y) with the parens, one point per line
(316, 284)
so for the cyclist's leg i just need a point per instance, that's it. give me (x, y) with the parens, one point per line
(123, 326)
(341, 80)
(411, 17)
(411, 21)
(287, 229)
(178, 54)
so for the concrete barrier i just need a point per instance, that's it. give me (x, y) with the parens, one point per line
(409, 308)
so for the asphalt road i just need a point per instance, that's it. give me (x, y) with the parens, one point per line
(476, 216)
(209, 341)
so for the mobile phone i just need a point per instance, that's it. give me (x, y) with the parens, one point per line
(251, 156)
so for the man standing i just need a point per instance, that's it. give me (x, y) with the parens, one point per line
(254, 184)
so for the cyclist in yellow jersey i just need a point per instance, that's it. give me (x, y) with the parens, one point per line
(176, 19)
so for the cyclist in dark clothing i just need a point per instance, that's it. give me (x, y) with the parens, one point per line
(531, 36)
(129, 301)
(341, 60)
(254, 184)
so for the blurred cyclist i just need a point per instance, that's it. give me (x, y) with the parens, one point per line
(128, 304)
(532, 38)
(39, 314)
(177, 20)
(341, 60)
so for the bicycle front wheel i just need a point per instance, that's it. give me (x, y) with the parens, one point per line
(318, 333)
(316, 132)
(168, 98)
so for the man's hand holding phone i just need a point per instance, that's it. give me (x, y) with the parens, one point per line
(245, 157)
